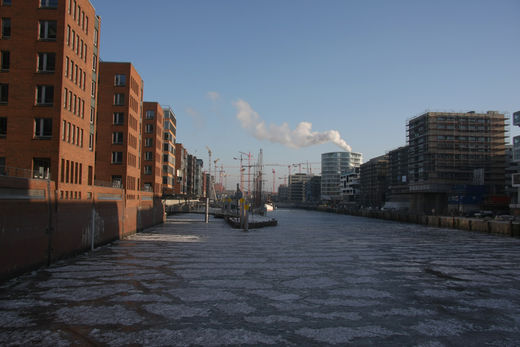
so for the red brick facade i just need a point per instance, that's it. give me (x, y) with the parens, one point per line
(47, 86)
(151, 170)
(118, 155)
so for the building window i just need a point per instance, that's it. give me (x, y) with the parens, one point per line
(119, 99)
(94, 62)
(92, 114)
(120, 80)
(6, 2)
(4, 93)
(119, 118)
(41, 168)
(148, 128)
(148, 155)
(150, 114)
(6, 28)
(43, 127)
(117, 181)
(147, 169)
(5, 61)
(3, 126)
(46, 62)
(117, 157)
(2, 166)
(95, 37)
(48, 29)
(93, 93)
(148, 142)
(44, 95)
(48, 3)
(91, 142)
(117, 138)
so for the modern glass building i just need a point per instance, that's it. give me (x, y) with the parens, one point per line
(333, 164)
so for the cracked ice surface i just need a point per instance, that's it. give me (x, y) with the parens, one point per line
(315, 279)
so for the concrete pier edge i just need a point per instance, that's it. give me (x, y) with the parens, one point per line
(507, 228)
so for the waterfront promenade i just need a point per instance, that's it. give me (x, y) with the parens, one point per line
(316, 279)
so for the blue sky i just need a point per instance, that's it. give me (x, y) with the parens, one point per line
(361, 68)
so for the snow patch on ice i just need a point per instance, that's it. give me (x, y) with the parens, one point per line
(343, 334)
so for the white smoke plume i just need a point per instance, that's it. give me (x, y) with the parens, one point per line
(301, 136)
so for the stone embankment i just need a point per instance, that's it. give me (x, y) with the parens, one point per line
(509, 228)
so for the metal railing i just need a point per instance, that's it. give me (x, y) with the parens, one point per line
(113, 184)
(41, 174)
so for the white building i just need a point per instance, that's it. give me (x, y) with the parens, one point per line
(333, 164)
(349, 185)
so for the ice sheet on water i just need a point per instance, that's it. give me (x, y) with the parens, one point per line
(87, 293)
(141, 298)
(203, 273)
(235, 308)
(202, 294)
(276, 295)
(361, 293)
(499, 304)
(164, 237)
(187, 337)
(98, 315)
(174, 311)
(437, 328)
(245, 284)
(407, 312)
(337, 335)
(334, 315)
(310, 282)
(64, 282)
(272, 319)
(334, 302)
(33, 337)
(12, 319)
(21, 304)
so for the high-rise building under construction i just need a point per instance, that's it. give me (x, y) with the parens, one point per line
(451, 154)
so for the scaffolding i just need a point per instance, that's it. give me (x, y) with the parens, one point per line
(447, 149)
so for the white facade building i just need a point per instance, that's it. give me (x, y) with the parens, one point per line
(333, 164)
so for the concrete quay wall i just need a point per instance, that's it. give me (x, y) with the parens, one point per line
(448, 222)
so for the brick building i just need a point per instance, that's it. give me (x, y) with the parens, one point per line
(181, 170)
(48, 65)
(152, 145)
(118, 153)
(168, 168)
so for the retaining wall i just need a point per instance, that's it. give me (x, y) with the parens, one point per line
(462, 223)
(36, 228)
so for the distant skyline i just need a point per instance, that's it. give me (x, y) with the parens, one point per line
(287, 76)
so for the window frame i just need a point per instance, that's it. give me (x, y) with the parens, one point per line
(4, 93)
(42, 91)
(119, 99)
(117, 138)
(45, 25)
(117, 158)
(3, 127)
(49, 4)
(43, 59)
(119, 80)
(120, 118)
(42, 128)
(3, 59)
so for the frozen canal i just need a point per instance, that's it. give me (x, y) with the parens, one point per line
(315, 279)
